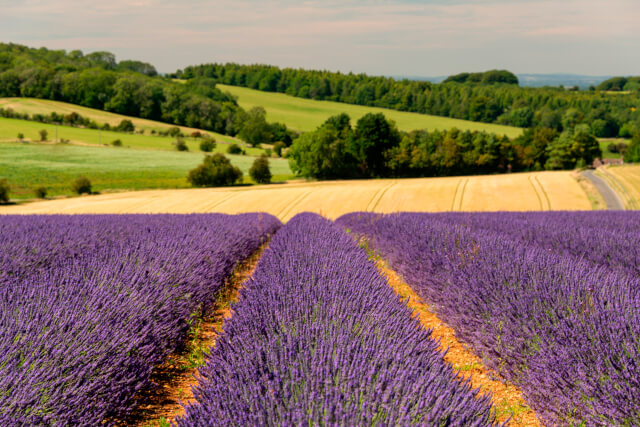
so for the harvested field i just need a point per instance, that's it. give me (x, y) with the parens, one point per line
(628, 180)
(514, 192)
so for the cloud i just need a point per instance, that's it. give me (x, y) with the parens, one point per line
(383, 37)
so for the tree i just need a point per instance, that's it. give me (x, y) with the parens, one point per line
(255, 129)
(81, 185)
(259, 171)
(633, 150)
(324, 154)
(181, 145)
(4, 191)
(235, 149)
(573, 148)
(125, 125)
(43, 134)
(215, 171)
(374, 135)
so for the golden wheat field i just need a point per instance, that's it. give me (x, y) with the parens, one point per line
(514, 192)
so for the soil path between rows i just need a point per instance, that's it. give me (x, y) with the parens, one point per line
(506, 398)
(173, 380)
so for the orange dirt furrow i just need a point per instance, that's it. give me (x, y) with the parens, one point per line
(506, 398)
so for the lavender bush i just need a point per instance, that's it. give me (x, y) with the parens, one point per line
(319, 338)
(89, 304)
(561, 323)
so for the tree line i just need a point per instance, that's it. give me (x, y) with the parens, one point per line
(491, 97)
(374, 148)
(130, 87)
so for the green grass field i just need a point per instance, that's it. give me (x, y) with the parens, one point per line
(9, 129)
(29, 165)
(306, 114)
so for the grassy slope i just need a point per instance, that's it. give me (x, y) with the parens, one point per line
(46, 107)
(9, 129)
(54, 166)
(306, 114)
(521, 191)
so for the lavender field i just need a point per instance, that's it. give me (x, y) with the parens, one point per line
(549, 300)
(318, 338)
(89, 304)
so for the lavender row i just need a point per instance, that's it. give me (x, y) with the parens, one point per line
(89, 304)
(566, 330)
(604, 238)
(319, 338)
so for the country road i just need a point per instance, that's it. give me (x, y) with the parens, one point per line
(609, 196)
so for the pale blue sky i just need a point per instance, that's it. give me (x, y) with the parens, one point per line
(401, 37)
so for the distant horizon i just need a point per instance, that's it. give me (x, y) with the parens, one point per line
(377, 37)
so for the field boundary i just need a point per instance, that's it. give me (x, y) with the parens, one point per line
(175, 378)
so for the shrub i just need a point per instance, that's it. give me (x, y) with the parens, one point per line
(116, 143)
(126, 126)
(4, 191)
(196, 134)
(207, 144)
(20, 136)
(174, 131)
(81, 185)
(43, 134)
(612, 147)
(259, 171)
(278, 147)
(215, 171)
(268, 152)
(41, 192)
(181, 145)
(234, 149)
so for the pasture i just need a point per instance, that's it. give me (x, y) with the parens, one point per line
(55, 166)
(307, 114)
(515, 192)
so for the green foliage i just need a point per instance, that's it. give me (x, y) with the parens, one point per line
(215, 171)
(181, 145)
(255, 129)
(207, 144)
(633, 151)
(43, 134)
(97, 80)
(116, 143)
(81, 185)
(488, 77)
(137, 67)
(278, 147)
(174, 131)
(125, 125)
(374, 135)
(574, 147)
(324, 154)
(40, 192)
(4, 191)
(20, 136)
(259, 171)
(475, 97)
(234, 149)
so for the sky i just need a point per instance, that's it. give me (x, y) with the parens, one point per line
(394, 37)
